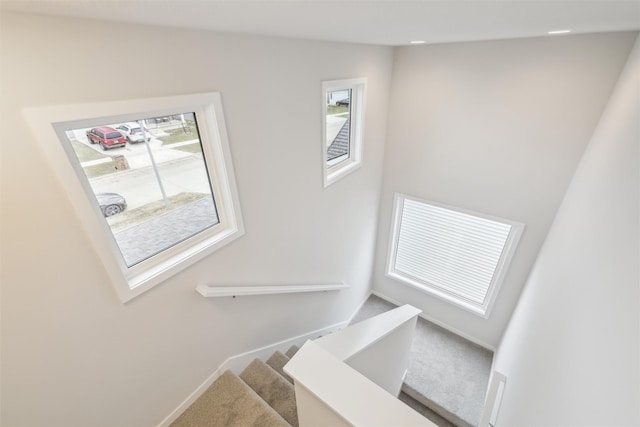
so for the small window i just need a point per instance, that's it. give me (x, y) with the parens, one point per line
(153, 201)
(455, 255)
(343, 116)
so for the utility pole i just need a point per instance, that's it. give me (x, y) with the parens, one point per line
(167, 205)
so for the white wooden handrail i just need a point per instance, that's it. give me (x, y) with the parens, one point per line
(210, 291)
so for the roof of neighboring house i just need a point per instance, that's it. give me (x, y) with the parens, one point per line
(340, 145)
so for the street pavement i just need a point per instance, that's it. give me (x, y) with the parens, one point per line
(180, 171)
(137, 155)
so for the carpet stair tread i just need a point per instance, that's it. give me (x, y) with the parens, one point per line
(264, 395)
(277, 362)
(273, 388)
(229, 402)
(292, 351)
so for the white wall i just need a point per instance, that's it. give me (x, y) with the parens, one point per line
(495, 127)
(72, 354)
(571, 352)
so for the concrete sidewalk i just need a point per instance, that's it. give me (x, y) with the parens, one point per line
(140, 159)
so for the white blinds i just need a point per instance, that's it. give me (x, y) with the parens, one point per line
(453, 251)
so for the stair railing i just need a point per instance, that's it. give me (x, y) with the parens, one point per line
(353, 377)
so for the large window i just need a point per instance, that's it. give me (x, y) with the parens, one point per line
(343, 117)
(455, 255)
(151, 181)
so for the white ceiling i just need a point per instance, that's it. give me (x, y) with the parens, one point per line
(383, 22)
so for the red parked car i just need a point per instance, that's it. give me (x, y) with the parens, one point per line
(106, 136)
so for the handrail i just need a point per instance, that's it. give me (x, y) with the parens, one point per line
(210, 291)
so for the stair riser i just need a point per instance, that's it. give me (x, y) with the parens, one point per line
(273, 388)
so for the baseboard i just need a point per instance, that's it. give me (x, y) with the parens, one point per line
(434, 407)
(190, 399)
(237, 363)
(355, 312)
(439, 323)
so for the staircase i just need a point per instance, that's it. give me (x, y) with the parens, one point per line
(262, 395)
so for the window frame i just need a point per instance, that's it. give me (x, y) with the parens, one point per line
(358, 87)
(508, 251)
(49, 125)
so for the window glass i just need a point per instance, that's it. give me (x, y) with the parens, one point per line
(343, 117)
(338, 126)
(153, 191)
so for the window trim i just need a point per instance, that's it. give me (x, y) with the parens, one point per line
(358, 87)
(49, 125)
(483, 310)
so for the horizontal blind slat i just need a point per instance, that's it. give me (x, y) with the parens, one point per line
(456, 283)
(419, 253)
(437, 245)
(454, 251)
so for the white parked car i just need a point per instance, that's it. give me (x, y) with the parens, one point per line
(132, 132)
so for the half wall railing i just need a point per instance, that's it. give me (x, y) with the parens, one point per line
(353, 377)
